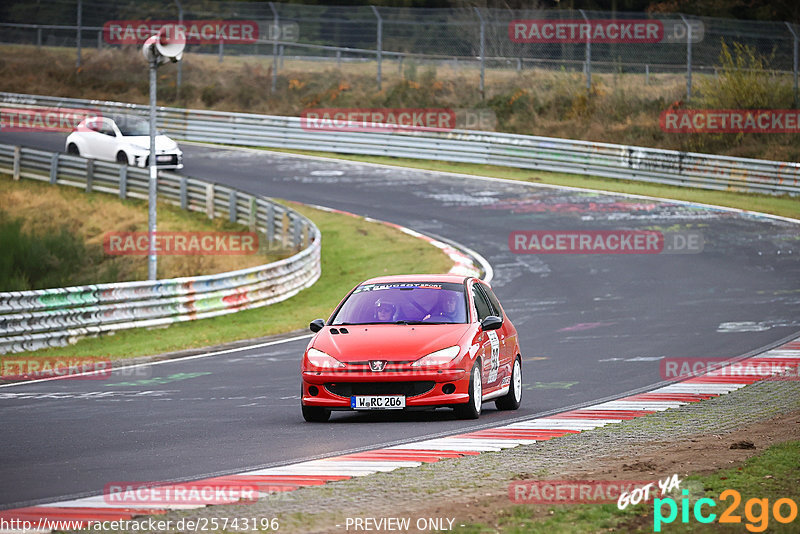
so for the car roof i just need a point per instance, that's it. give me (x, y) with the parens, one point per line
(454, 278)
(127, 118)
(118, 118)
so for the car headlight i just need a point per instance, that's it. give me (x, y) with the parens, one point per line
(319, 359)
(438, 358)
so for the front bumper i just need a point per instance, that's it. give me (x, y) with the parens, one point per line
(175, 161)
(330, 389)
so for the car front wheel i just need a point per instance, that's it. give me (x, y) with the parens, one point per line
(513, 398)
(315, 414)
(472, 409)
(122, 158)
(72, 149)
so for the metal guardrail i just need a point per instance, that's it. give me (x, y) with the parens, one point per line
(671, 167)
(30, 320)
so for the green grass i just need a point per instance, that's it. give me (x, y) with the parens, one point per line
(33, 260)
(770, 475)
(53, 237)
(784, 205)
(352, 251)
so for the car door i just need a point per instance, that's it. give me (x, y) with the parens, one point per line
(91, 137)
(107, 141)
(489, 343)
(507, 335)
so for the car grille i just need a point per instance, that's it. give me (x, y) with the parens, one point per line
(409, 389)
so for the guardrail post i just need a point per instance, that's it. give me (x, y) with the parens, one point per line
(210, 201)
(123, 181)
(221, 50)
(379, 46)
(54, 168)
(100, 40)
(298, 232)
(270, 225)
(38, 37)
(183, 194)
(17, 157)
(232, 207)
(251, 217)
(285, 230)
(89, 175)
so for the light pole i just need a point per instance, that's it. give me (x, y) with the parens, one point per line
(165, 46)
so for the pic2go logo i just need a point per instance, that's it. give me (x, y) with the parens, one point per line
(756, 511)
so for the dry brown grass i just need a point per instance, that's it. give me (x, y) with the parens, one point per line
(44, 208)
(620, 108)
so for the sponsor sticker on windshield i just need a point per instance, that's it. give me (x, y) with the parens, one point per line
(399, 285)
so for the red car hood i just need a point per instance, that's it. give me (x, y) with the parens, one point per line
(389, 342)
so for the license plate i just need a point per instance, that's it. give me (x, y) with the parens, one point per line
(377, 402)
(164, 158)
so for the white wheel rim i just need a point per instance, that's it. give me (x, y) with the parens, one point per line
(517, 381)
(477, 389)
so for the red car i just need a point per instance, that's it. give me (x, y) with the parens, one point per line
(413, 342)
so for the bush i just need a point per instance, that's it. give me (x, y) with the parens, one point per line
(37, 261)
(744, 82)
(211, 94)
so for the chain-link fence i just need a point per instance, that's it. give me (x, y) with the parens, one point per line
(571, 40)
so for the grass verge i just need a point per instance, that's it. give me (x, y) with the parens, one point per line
(784, 205)
(619, 107)
(766, 478)
(38, 209)
(352, 250)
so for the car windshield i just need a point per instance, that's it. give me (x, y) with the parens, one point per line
(404, 303)
(131, 126)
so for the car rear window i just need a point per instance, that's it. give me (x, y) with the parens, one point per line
(404, 302)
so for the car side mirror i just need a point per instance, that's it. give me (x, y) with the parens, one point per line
(492, 322)
(316, 325)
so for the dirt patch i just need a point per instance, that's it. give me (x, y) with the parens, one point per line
(699, 454)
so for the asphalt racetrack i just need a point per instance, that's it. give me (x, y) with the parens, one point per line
(592, 326)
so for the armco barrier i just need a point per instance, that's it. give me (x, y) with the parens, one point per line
(31, 320)
(524, 151)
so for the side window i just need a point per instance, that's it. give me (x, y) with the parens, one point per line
(107, 129)
(94, 125)
(481, 304)
(497, 309)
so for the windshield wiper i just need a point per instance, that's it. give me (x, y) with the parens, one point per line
(420, 322)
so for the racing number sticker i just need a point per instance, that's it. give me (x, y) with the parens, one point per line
(495, 361)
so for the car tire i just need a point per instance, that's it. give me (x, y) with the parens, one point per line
(316, 414)
(472, 409)
(512, 399)
(72, 149)
(122, 158)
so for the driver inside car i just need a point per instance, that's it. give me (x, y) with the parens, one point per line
(384, 311)
(447, 309)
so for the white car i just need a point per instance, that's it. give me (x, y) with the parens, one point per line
(124, 139)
